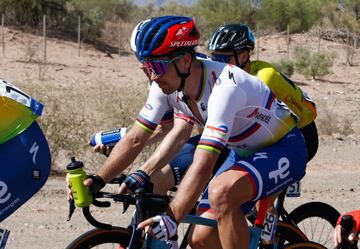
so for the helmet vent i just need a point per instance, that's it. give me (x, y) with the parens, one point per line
(193, 32)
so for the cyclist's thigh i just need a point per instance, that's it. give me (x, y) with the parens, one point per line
(163, 180)
(277, 166)
(184, 159)
(270, 169)
(202, 236)
(204, 204)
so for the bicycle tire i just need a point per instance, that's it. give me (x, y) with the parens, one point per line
(305, 245)
(287, 234)
(95, 237)
(316, 220)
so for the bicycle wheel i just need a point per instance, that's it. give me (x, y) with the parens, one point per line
(305, 245)
(317, 221)
(117, 238)
(286, 234)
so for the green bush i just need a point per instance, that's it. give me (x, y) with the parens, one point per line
(210, 14)
(312, 64)
(285, 66)
(30, 12)
(300, 15)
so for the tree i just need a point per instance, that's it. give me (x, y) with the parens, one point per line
(300, 15)
(212, 13)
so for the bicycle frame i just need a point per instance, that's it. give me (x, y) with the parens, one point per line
(141, 202)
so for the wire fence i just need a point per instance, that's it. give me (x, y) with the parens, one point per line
(342, 36)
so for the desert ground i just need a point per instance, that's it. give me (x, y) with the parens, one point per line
(333, 176)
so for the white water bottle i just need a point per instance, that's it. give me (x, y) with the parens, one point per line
(108, 138)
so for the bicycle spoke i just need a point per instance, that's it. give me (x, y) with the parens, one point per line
(317, 230)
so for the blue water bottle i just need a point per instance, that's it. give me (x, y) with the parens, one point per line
(108, 138)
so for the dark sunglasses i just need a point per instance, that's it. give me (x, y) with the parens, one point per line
(159, 67)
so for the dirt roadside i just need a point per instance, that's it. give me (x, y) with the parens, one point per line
(332, 177)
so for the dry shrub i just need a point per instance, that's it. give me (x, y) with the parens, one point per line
(73, 113)
(329, 123)
(30, 49)
(116, 30)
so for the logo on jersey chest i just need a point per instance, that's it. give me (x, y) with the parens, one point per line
(256, 114)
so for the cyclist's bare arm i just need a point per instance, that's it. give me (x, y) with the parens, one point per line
(160, 132)
(194, 182)
(124, 153)
(169, 146)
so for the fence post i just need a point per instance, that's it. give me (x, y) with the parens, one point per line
(79, 34)
(119, 36)
(288, 41)
(258, 41)
(347, 47)
(3, 34)
(44, 34)
(319, 33)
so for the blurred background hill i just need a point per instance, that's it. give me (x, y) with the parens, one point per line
(100, 16)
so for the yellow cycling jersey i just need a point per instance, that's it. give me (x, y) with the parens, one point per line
(285, 90)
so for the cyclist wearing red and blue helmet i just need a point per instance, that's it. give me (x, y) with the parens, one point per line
(24, 152)
(236, 110)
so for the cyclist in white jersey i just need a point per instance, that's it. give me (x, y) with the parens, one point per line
(236, 109)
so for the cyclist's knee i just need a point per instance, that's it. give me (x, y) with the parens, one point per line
(196, 242)
(202, 237)
(223, 199)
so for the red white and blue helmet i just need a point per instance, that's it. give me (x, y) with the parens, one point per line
(164, 35)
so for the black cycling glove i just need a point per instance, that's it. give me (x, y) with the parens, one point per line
(139, 179)
(98, 183)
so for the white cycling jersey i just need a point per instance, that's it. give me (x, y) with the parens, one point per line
(239, 110)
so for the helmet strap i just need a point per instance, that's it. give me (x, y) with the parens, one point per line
(183, 77)
(242, 66)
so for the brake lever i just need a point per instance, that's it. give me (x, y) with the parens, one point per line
(71, 209)
(125, 206)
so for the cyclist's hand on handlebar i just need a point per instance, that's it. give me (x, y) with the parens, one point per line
(138, 179)
(68, 189)
(87, 182)
(338, 239)
(103, 149)
(163, 227)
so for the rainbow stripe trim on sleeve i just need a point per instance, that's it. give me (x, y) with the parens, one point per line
(213, 138)
(145, 124)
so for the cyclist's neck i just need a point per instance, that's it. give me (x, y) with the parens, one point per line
(194, 81)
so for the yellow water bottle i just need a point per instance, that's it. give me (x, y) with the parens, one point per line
(76, 176)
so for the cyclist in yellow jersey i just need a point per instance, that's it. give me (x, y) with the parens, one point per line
(232, 44)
